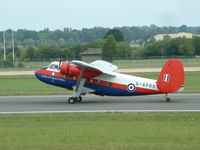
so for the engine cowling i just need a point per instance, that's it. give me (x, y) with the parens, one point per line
(74, 70)
(70, 69)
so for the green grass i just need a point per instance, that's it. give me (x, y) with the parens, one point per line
(29, 85)
(100, 131)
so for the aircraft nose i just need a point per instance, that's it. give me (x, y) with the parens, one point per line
(37, 71)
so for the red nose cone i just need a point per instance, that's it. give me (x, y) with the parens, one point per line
(37, 70)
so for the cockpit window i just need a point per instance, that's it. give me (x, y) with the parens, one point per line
(53, 66)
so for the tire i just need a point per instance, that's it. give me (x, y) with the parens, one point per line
(78, 99)
(168, 99)
(71, 100)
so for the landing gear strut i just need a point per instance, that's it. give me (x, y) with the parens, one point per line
(167, 98)
(73, 100)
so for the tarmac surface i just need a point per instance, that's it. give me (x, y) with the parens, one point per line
(92, 103)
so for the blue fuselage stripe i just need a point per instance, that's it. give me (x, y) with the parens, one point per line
(99, 89)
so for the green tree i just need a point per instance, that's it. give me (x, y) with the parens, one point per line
(186, 48)
(73, 51)
(124, 50)
(109, 50)
(30, 53)
(196, 44)
(61, 42)
(49, 52)
(171, 47)
(117, 35)
(9, 57)
(95, 44)
(153, 49)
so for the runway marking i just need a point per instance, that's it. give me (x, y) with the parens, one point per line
(96, 111)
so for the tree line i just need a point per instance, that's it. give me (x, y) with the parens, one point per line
(113, 44)
(68, 36)
(171, 47)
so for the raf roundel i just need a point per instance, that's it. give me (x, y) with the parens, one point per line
(131, 87)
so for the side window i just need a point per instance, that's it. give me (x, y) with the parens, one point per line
(64, 76)
(90, 80)
(109, 83)
(98, 81)
(54, 66)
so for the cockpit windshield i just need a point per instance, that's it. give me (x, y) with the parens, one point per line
(53, 66)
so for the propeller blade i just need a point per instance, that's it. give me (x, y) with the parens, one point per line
(60, 63)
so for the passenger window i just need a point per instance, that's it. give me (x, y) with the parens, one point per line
(56, 66)
(53, 66)
(109, 84)
(90, 80)
(98, 81)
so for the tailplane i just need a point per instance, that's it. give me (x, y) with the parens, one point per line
(171, 78)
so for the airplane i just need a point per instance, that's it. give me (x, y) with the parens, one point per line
(100, 78)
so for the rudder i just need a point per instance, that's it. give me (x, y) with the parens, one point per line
(171, 77)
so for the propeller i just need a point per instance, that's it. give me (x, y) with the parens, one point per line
(60, 61)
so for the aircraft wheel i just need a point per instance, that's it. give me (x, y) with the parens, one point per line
(78, 99)
(71, 100)
(168, 99)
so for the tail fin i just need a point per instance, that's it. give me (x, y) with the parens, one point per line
(171, 77)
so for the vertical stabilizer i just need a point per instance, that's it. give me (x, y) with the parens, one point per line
(171, 77)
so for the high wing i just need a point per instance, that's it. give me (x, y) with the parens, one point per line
(98, 65)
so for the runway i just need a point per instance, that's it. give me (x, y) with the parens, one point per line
(92, 103)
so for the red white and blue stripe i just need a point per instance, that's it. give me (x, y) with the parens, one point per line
(120, 85)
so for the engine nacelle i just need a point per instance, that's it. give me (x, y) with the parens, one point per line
(70, 69)
(74, 70)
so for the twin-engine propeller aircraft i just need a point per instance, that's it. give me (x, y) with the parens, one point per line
(100, 78)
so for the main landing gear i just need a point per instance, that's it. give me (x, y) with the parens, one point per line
(73, 100)
(167, 98)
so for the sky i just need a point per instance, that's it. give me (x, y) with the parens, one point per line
(78, 14)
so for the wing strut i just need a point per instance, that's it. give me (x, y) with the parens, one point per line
(80, 83)
(78, 88)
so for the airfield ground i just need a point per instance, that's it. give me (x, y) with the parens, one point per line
(100, 131)
(96, 131)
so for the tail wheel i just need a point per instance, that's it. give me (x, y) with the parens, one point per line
(78, 99)
(71, 100)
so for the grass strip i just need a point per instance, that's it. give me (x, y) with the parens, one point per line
(100, 131)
